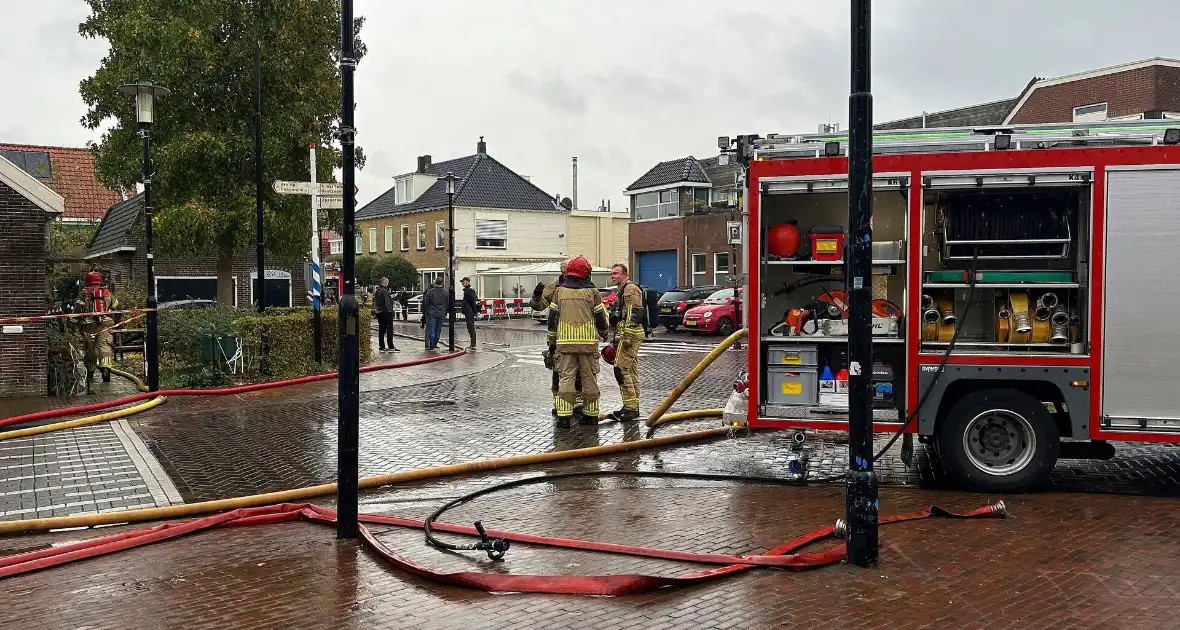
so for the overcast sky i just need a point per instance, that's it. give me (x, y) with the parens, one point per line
(623, 84)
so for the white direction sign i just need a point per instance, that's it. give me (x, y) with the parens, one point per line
(331, 202)
(331, 189)
(326, 189)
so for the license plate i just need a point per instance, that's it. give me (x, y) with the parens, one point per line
(666, 309)
(690, 323)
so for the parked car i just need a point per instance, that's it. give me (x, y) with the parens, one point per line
(676, 302)
(717, 314)
(186, 304)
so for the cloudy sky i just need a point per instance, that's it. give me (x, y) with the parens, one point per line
(623, 84)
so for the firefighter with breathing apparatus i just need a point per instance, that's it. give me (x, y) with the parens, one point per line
(577, 321)
(542, 298)
(630, 321)
(96, 330)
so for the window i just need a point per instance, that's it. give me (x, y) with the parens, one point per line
(335, 247)
(720, 266)
(404, 190)
(372, 240)
(35, 163)
(700, 194)
(388, 238)
(491, 234)
(405, 238)
(429, 276)
(440, 234)
(421, 236)
(657, 205)
(723, 196)
(360, 245)
(1090, 113)
(698, 270)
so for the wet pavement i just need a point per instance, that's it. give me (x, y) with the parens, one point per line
(1077, 555)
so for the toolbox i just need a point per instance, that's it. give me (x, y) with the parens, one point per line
(827, 243)
(793, 355)
(792, 385)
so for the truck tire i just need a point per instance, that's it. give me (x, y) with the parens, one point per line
(998, 440)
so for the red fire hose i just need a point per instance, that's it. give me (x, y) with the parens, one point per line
(223, 391)
(627, 584)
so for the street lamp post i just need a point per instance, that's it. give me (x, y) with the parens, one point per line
(145, 94)
(450, 179)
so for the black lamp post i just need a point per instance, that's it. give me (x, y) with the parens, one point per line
(450, 179)
(145, 94)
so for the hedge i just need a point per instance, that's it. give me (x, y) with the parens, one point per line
(275, 345)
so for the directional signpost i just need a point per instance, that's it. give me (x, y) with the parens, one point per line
(326, 195)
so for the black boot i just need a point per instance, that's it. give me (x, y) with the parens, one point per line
(626, 415)
(588, 420)
(563, 421)
(106, 376)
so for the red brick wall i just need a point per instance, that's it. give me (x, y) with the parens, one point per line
(707, 234)
(23, 249)
(1127, 93)
(658, 235)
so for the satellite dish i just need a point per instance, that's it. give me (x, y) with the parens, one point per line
(567, 204)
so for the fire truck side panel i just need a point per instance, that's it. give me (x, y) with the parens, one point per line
(1052, 385)
(1140, 347)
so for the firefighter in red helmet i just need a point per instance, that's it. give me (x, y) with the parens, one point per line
(100, 343)
(542, 299)
(577, 321)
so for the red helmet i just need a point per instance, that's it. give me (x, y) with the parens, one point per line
(608, 353)
(93, 279)
(579, 267)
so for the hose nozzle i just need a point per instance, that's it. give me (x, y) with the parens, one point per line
(840, 530)
(495, 547)
(999, 509)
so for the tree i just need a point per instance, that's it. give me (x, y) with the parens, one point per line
(363, 268)
(401, 272)
(203, 141)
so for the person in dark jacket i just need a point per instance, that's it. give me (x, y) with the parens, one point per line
(383, 307)
(403, 300)
(435, 303)
(470, 309)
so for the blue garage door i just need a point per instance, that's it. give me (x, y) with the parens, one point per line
(657, 269)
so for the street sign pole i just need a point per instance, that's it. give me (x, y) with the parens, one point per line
(349, 378)
(316, 268)
(861, 488)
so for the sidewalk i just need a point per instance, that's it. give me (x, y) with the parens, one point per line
(1058, 561)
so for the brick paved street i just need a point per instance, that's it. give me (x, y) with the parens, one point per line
(1070, 558)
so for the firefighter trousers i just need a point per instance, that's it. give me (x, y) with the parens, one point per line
(570, 367)
(627, 370)
(578, 402)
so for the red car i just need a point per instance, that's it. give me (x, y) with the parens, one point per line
(717, 314)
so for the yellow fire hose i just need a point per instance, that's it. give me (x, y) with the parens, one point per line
(81, 422)
(658, 416)
(131, 377)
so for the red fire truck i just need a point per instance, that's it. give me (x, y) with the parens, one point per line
(1023, 280)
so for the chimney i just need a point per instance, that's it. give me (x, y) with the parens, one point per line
(575, 195)
(481, 147)
(423, 163)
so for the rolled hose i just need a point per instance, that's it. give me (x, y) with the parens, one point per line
(223, 391)
(658, 413)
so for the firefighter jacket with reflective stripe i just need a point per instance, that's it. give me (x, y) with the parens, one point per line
(541, 302)
(577, 318)
(629, 311)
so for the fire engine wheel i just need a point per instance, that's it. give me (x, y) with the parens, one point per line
(998, 440)
(725, 326)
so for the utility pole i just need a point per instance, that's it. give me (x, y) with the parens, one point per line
(349, 379)
(258, 160)
(316, 266)
(861, 487)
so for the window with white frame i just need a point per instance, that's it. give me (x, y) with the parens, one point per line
(388, 238)
(404, 190)
(1090, 113)
(360, 245)
(405, 238)
(491, 234)
(722, 196)
(372, 240)
(440, 234)
(429, 276)
(421, 236)
(699, 270)
(720, 267)
(335, 247)
(657, 205)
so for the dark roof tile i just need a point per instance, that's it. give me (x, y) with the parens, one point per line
(686, 169)
(113, 232)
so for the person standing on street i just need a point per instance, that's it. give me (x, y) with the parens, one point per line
(577, 320)
(435, 303)
(470, 309)
(542, 299)
(629, 315)
(403, 300)
(383, 307)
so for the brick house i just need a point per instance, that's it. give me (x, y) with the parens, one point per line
(68, 171)
(27, 206)
(1147, 89)
(679, 211)
(502, 220)
(117, 247)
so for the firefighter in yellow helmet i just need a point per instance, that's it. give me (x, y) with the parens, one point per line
(629, 316)
(577, 321)
(542, 299)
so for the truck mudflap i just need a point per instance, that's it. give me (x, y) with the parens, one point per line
(735, 408)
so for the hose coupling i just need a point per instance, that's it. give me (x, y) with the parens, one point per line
(799, 437)
(495, 547)
(840, 530)
(999, 509)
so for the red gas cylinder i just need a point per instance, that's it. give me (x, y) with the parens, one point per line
(783, 240)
